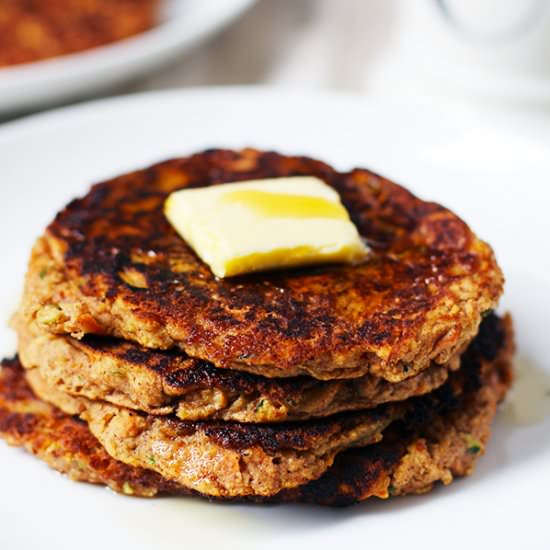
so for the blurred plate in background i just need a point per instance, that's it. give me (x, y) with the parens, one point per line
(184, 23)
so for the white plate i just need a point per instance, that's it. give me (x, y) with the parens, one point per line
(184, 23)
(48, 159)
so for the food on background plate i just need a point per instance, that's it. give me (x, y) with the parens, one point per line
(33, 30)
(325, 383)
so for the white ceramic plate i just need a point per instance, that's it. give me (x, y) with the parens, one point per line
(48, 159)
(184, 23)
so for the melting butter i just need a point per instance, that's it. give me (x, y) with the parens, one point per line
(258, 225)
(281, 205)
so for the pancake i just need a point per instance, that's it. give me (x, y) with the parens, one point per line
(169, 382)
(441, 438)
(121, 270)
(433, 444)
(32, 30)
(222, 458)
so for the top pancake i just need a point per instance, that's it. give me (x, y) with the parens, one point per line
(418, 298)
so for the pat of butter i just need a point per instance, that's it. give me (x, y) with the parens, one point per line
(257, 225)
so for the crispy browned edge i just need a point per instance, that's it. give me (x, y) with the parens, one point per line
(38, 29)
(440, 440)
(223, 459)
(418, 298)
(283, 437)
(169, 382)
(64, 442)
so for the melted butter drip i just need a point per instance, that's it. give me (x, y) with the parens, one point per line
(279, 205)
(282, 258)
(528, 401)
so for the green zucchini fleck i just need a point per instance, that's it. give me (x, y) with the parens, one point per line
(473, 446)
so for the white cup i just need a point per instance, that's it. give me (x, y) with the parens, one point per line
(497, 47)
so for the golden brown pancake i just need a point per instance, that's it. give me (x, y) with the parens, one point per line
(223, 459)
(31, 30)
(169, 382)
(121, 270)
(441, 438)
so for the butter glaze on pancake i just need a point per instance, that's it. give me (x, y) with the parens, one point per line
(418, 298)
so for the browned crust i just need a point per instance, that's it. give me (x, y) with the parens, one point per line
(436, 443)
(64, 442)
(32, 30)
(222, 459)
(168, 382)
(419, 298)
(441, 440)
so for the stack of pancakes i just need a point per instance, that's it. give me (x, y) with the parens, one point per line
(140, 370)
